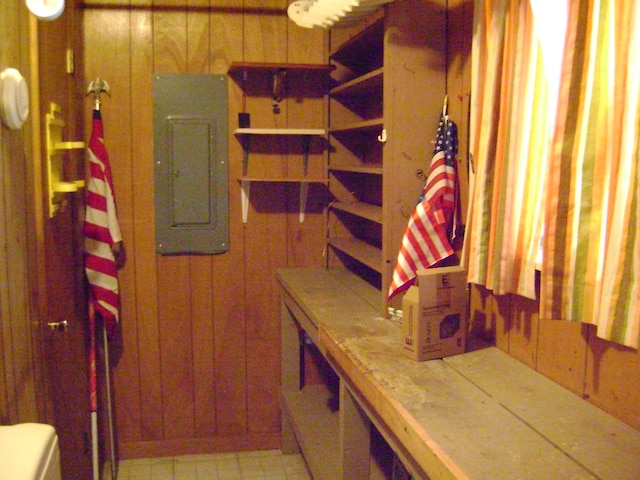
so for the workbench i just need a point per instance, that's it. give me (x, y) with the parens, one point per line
(479, 415)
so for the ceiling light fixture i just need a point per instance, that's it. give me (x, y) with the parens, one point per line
(331, 13)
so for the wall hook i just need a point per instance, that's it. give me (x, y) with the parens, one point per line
(382, 138)
(56, 149)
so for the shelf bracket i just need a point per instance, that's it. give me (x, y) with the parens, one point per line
(56, 149)
(245, 192)
(304, 194)
(246, 145)
(304, 186)
(306, 141)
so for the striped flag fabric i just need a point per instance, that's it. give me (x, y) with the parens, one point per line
(427, 239)
(101, 230)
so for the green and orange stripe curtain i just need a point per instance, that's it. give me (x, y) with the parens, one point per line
(558, 161)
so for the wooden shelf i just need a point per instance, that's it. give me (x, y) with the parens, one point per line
(257, 78)
(363, 52)
(284, 180)
(316, 427)
(364, 169)
(305, 135)
(360, 209)
(373, 125)
(361, 251)
(357, 135)
(364, 85)
(280, 131)
(238, 70)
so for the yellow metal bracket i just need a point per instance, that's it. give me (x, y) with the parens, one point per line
(56, 149)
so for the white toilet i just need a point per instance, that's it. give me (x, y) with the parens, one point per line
(29, 451)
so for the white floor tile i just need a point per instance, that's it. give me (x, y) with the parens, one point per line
(259, 465)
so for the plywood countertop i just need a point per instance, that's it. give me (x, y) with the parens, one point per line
(479, 415)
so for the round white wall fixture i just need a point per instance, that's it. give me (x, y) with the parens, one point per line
(46, 9)
(14, 96)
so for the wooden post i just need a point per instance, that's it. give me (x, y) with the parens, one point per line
(290, 373)
(355, 437)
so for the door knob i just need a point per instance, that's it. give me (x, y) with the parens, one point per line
(60, 326)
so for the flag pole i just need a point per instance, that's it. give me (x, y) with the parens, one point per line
(114, 475)
(93, 393)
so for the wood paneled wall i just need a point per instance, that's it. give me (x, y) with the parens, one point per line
(197, 365)
(22, 390)
(601, 372)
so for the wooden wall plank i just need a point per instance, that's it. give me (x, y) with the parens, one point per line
(143, 258)
(8, 384)
(265, 41)
(523, 329)
(613, 379)
(198, 34)
(500, 311)
(415, 42)
(460, 15)
(306, 241)
(173, 274)
(107, 63)
(21, 371)
(562, 350)
(229, 268)
(198, 61)
(176, 341)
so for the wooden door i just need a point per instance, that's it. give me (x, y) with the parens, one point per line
(66, 349)
(61, 279)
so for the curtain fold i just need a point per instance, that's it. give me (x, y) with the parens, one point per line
(558, 153)
(509, 140)
(591, 244)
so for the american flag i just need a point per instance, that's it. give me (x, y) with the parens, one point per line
(101, 230)
(427, 239)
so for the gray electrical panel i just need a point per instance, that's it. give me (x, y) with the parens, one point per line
(191, 165)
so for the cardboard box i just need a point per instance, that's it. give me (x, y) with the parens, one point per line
(434, 318)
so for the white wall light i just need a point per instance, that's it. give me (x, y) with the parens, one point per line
(14, 98)
(46, 10)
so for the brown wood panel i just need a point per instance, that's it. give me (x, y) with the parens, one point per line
(229, 268)
(176, 340)
(613, 379)
(203, 345)
(306, 241)
(198, 61)
(264, 34)
(169, 41)
(62, 288)
(142, 258)
(460, 29)
(105, 60)
(414, 43)
(198, 28)
(523, 330)
(265, 41)
(562, 350)
(174, 274)
(10, 146)
(500, 319)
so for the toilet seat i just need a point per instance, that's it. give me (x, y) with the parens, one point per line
(29, 451)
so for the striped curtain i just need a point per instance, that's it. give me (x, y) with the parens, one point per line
(591, 255)
(510, 137)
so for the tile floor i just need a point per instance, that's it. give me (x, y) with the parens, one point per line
(259, 465)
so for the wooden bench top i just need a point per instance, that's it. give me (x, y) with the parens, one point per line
(479, 415)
